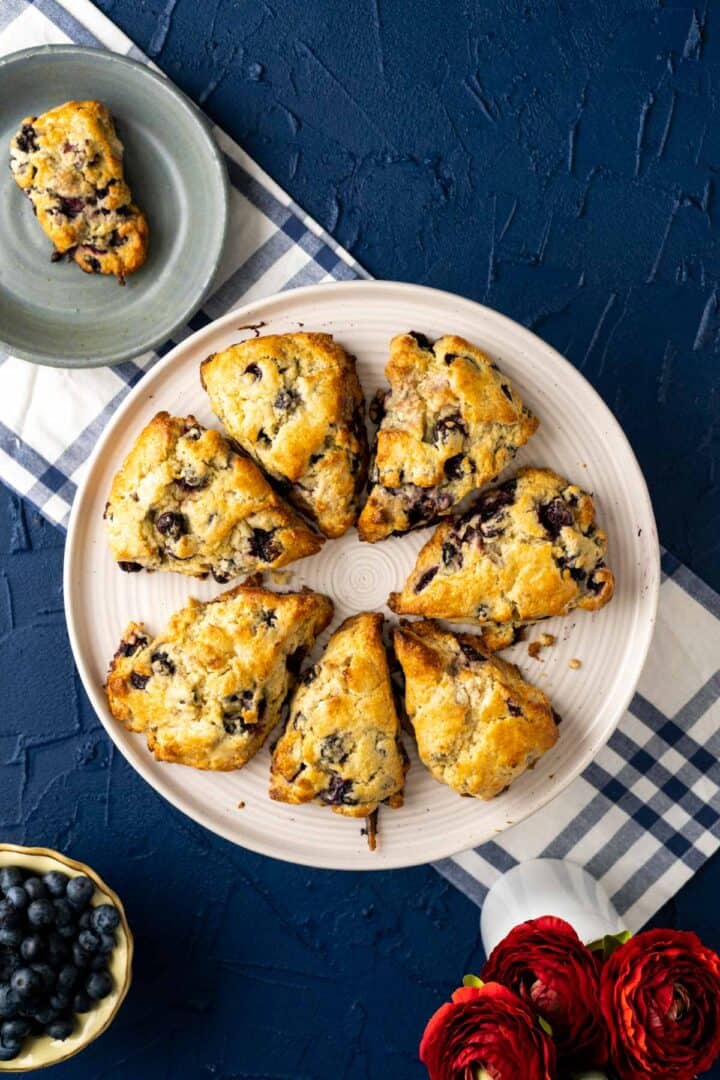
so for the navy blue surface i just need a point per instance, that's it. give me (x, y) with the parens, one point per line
(558, 163)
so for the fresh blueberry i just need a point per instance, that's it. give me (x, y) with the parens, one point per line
(17, 897)
(47, 974)
(68, 931)
(105, 918)
(9, 914)
(89, 941)
(10, 937)
(32, 947)
(98, 962)
(80, 890)
(26, 983)
(81, 1002)
(9, 1002)
(81, 959)
(41, 913)
(56, 882)
(36, 889)
(68, 976)
(60, 1000)
(43, 1014)
(65, 913)
(99, 985)
(107, 943)
(60, 1029)
(58, 949)
(9, 876)
(7, 1053)
(85, 920)
(14, 1030)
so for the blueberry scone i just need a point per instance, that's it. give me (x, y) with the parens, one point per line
(210, 688)
(452, 421)
(294, 403)
(341, 746)
(185, 500)
(478, 724)
(69, 163)
(527, 550)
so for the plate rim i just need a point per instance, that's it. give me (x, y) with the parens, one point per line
(244, 312)
(219, 171)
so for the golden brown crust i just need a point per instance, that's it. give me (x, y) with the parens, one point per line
(528, 549)
(185, 500)
(294, 403)
(69, 163)
(208, 690)
(452, 422)
(478, 724)
(341, 746)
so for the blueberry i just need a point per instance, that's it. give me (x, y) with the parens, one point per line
(7, 1053)
(10, 937)
(26, 982)
(338, 792)
(287, 400)
(65, 913)
(56, 882)
(36, 888)
(14, 1030)
(70, 207)
(99, 985)
(94, 264)
(60, 1029)
(162, 664)
(89, 941)
(41, 913)
(98, 962)
(105, 918)
(47, 974)
(58, 948)
(81, 958)
(130, 567)
(172, 524)
(9, 914)
(81, 1002)
(26, 139)
(422, 340)
(60, 1000)
(454, 467)
(68, 976)
(43, 1014)
(139, 682)
(17, 896)
(67, 932)
(107, 944)
(262, 545)
(85, 920)
(471, 653)
(32, 947)
(446, 425)
(426, 578)
(9, 1002)
(554, 515)
(254, 370)
(9, 876)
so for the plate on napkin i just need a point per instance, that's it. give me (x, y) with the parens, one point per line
(53, 313)
(578, 436)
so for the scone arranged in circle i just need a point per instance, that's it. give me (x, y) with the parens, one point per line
(452, 421)
(209, 689)
(185, 500)
(478, 724)
(341, 746)
(528, 549)
(294, 403)
(69, 163)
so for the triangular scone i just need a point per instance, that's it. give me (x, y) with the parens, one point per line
(452, 421)
(527, 550)
(478, 724)
(341, 746)
(210, 688)
(294, 403)
(185, 500)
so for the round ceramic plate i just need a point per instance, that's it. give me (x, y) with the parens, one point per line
(53, 313)
(578, 436)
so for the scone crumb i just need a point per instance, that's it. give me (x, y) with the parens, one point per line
(281, 577)
(546, 640)
(575, 664)
(241, 805)
(534, 648)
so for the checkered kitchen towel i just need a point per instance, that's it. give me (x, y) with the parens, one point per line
(645, 815)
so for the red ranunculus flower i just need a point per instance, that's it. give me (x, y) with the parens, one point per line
(547, 965)
(660, 995)
(486, 1027)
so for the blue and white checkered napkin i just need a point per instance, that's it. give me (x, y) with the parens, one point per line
(645, 815)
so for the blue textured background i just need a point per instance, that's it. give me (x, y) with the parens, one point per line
(559, 163)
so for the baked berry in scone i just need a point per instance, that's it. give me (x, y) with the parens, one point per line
(527, 550)
(452, 421)
(478, 724)
(341, 746)
(69, 163)
(294, 403)
(210, 688)
(185, 500)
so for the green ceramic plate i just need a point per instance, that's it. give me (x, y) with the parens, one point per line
(53, 313)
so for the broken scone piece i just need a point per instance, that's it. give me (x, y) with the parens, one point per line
(527, 550)
(452, 421)
(210, 688)
(341, 746)
(294, 403)
(185, 500)
(478, 724)
(69, 163)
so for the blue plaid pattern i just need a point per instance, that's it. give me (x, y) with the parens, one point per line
(645, 814)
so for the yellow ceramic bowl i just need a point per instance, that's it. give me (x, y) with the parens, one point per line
(42, 1051)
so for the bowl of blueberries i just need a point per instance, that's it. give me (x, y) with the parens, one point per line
(65, 957)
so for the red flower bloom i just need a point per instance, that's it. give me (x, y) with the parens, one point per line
(660, 995)
(547, 965)
(486, 1027)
